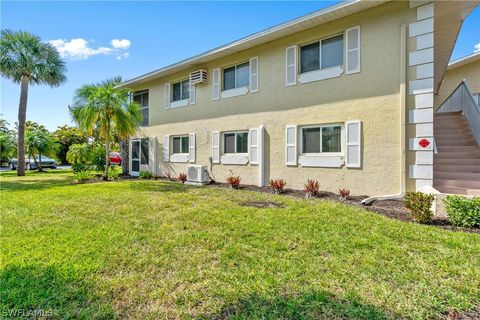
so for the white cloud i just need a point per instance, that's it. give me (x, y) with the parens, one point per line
(80, 49)
(121, 43)
(477, 47)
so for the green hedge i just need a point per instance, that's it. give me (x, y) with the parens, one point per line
(463, 212)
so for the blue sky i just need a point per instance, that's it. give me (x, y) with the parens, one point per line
(132, 38)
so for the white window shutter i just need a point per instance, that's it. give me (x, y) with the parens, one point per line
(254, 74)
(253, 145)
(291, 145)
(353, 158)
(166, 149)
(166, 101)
(216, 84)
(191, 94)
(191, 147)
(352, 64)
(215, 147)
(291, 66)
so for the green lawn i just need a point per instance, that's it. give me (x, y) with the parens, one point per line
(154, 250)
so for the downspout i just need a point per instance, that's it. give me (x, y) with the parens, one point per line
(403, 125)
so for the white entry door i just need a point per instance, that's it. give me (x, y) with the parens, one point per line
(135, 158)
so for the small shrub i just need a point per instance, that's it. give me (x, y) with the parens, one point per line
(344, 194)
(113, 173)
(419, 205)
(234, 182)
(278, 185)
(83, 176)
(182, 177)
(311, 188)
(463, 212)
(144, 174)
(79, 167)
(168, 175)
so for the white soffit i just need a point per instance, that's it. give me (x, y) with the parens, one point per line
(293, 26)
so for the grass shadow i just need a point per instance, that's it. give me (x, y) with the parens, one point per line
(33, 291)
(312, 305)
(29, 183)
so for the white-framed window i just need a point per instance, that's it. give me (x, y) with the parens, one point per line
(235, 142)
(180, 90)
(141, 97)
(322, 54)
(180, 144)
(321, 139)
(237, 76)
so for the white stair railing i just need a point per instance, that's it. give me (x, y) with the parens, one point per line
(462, 99)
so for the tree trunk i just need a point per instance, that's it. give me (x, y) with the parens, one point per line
(22, 115)
(107, 157)
(124, 151)
(39, 163)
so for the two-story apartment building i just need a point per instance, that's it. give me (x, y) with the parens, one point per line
(344, 95)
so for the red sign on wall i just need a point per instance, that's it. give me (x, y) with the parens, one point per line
(424, 143)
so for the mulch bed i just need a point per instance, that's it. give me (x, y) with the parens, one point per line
(394, 209)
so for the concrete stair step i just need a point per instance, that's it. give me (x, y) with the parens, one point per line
(449, 125)
(440, 132)
(455, 161)
(451, 119)
(468, 184)
(455, 175)
(447, 114)
(457, 155)
(455, 168)
(458, 190)
(454, 142)
(456, 149)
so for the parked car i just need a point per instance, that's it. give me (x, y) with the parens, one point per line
(115, 158)
(30, 164)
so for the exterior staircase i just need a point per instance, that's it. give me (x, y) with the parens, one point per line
(456, 165)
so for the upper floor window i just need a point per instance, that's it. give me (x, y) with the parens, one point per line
(181, 90)
(235, 142)
(322, 54)
(236, 76)
(141, 98)
(180, 145)
(322, 139)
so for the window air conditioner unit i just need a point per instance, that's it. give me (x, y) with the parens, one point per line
(197, 174)
(199, 76)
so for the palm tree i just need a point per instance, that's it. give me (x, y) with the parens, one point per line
(26, 60)
(104, 108)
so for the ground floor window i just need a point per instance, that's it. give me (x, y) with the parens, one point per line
(180, 144)
(322, 139)
(235, 142)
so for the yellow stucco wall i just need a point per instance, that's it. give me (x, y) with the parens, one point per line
(470, 72)
(371, 96)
